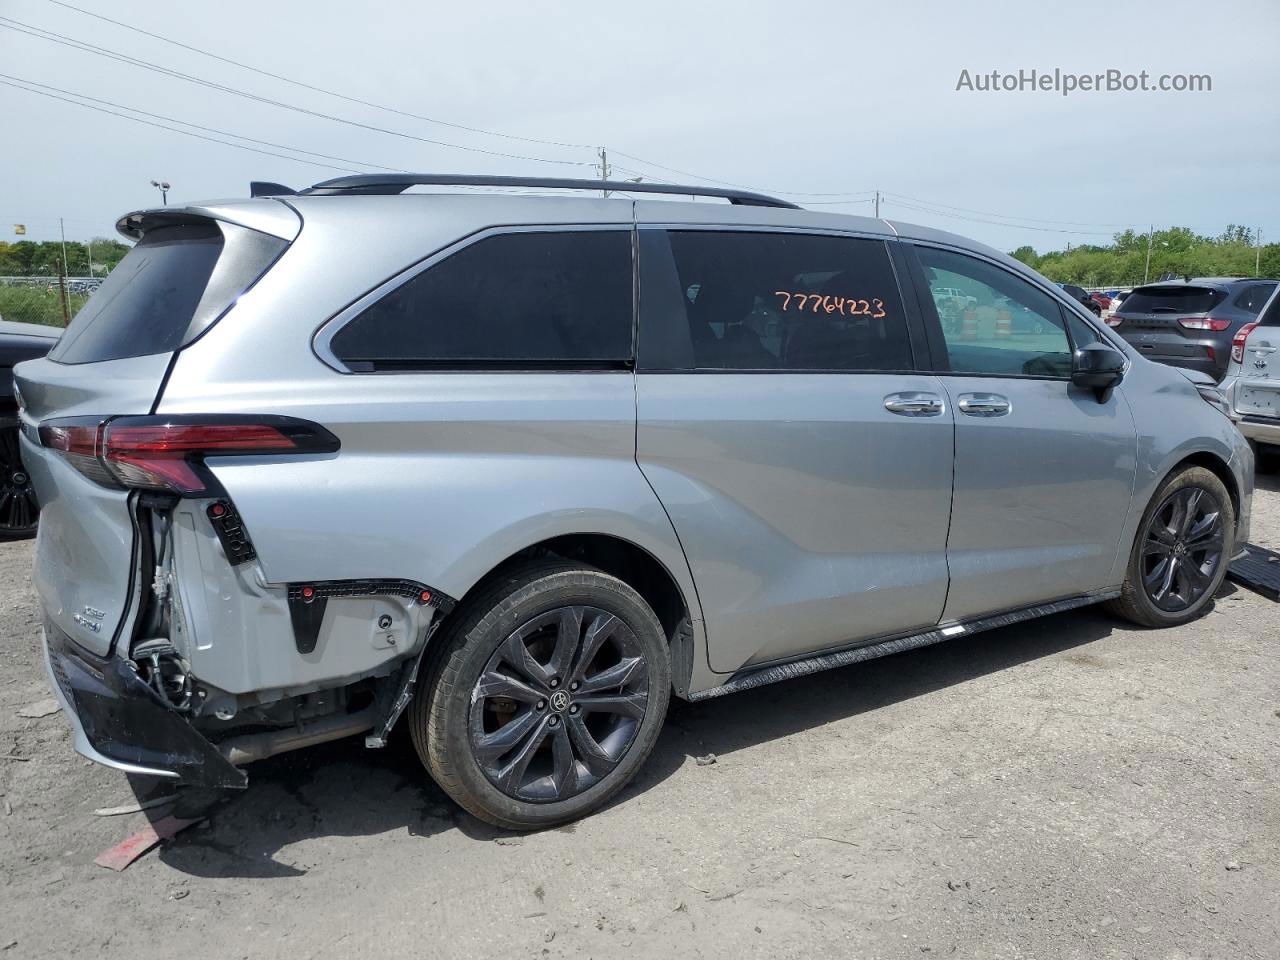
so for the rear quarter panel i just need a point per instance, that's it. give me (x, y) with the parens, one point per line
(441, 476)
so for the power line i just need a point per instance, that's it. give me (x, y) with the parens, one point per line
(988, 213)
(53, 37)
(198, 136)
(187, 123)
(416, 116)
(58, 38)
(316, 89)
(1000, 223)
(727, 183)
(836, 203)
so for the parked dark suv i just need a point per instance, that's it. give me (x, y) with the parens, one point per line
(1084, 297)
(19, 512)
(1190, 323)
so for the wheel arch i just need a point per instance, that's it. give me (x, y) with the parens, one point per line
(673, 602)
(1215, 465)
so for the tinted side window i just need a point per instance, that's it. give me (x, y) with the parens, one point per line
(513, 300)
(769, 301)
(1254, 297)
(993, 321)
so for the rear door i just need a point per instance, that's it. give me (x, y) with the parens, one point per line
(804, 462)
(1043, 472)
(184, 273)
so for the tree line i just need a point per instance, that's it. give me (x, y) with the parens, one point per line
(29, 259)
(1179, 251)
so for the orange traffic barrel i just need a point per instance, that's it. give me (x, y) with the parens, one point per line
(1004, 324)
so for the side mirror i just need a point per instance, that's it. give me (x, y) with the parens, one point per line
(1099, 368)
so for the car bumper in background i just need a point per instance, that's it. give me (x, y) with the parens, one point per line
(119, 721)
(1260, 429)
(1206, 355)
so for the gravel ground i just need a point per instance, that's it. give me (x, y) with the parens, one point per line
(1070, 787)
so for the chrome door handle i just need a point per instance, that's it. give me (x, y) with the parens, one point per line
(983, 404)
(914, 404)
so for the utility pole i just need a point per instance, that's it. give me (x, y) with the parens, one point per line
(1146, 272)
(62, 230)
(604, 167)
(1257, 255)
(877, 204)
(88, 244)
(62, 286)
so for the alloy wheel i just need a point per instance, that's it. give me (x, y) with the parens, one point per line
(1182, 549)
(559, 704)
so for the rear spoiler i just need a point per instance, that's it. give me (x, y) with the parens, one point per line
(275, 219)
(265, 188)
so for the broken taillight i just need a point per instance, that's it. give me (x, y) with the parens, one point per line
(168, 453)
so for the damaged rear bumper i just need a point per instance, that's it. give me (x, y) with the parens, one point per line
(119, 721)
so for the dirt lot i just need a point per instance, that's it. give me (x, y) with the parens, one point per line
(1066, 788)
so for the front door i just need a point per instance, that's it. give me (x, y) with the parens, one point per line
(805, 465)
(1044, 473)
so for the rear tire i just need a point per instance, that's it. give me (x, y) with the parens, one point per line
(1181, 552)
(574, 665)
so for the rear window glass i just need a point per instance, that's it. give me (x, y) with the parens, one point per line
(169, 288)
(1271, 314)
(1172, 300)
(535, 299)
(1254, 297)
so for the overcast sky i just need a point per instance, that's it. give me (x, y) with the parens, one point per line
(801, 96)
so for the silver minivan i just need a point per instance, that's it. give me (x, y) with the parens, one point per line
(519, 468)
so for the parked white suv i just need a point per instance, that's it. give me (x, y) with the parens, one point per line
(1252, 383)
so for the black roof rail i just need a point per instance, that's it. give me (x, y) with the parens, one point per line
(379, 184)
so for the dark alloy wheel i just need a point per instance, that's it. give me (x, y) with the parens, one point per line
(545, 694)
(559, 704)
(19, 512)
(1182, 549)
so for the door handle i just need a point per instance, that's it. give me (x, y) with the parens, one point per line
(983, 404)
(914, 404)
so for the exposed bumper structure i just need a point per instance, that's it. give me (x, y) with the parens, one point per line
(119, 721)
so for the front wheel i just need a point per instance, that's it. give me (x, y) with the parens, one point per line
(547, 695)
(1181, 553)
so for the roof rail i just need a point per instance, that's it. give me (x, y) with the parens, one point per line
(378, 184)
